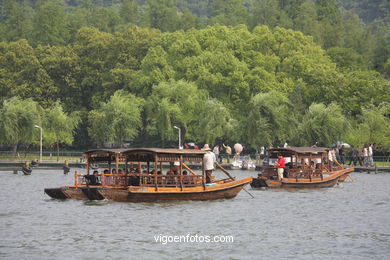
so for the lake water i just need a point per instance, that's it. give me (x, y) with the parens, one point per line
(349, 221)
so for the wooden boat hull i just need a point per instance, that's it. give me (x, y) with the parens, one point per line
(147, 194)
(79, 193)
(140, 194)
(325, 182)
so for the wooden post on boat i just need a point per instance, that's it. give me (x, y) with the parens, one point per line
(116, 164)
(75, 178)
(155, 172)
(88, 164)
(181, 172)
(204, 176)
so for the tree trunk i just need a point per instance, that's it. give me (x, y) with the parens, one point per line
(15, 150)
(25, 150)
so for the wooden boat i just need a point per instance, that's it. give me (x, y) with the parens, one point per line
(143, 178)
(306, 167)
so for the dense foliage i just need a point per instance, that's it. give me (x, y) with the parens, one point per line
(258, 72)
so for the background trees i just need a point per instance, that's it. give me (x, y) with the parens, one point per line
(117, 120)
(284, 65)
(18, 118)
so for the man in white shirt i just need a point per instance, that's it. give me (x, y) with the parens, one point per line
(370, 156)
(208, 162)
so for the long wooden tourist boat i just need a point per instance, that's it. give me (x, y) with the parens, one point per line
(148, 174)
(306, 167)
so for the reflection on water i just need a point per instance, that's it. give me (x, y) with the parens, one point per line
(349, 221)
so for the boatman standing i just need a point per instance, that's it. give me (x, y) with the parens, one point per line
(208, 162)
(280, 165)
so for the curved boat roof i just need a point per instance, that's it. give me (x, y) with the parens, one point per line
(150, 150)
(301, 149)
(145, 154)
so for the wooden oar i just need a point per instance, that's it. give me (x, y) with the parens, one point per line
(188, 168)
(338, 164)
(225, 171)
(352, 179)
(231, 177)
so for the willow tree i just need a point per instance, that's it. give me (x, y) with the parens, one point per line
(18, 118)
(323, 125)
(214, 121)
(117, 120)
(271, 120)
(372, 126)
(59, 126)
(174, 103)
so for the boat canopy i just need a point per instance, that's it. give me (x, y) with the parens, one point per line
(104, 155)
(300, 150)
(163, 155)
(145, 155)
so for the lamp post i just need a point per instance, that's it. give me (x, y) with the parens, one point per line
(40, 153)
(180, 147)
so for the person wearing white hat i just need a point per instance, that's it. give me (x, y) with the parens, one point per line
(208, 162)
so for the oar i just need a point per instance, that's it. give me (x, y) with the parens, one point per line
(225, 171)
(231, 177)
(188, 168)
(352, 179)
(338, 164)
(248, 192)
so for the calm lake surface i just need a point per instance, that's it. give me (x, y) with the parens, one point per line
(349, 221)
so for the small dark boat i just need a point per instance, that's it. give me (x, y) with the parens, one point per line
(26, 170)
(306, 167)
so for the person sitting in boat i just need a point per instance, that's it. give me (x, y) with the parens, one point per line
(92, 179)
(208, 161)
(312, 165)
(280, 164)
(175, 167)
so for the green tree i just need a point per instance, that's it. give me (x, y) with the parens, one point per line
(18, 118)
(22, 74)
(117, 120)
(265, 12)
(270, 119)
(19, 21)
(129, 11)
(347, 58)
(162, 15)
(214, 122)
(59, 127)
(49, 24)
(323, 125)
(372, 127)
(174, 103)
(229, 12)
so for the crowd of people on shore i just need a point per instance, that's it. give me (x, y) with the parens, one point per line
(364, 156)
(343, 154)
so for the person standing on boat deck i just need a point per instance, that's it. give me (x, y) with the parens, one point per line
(280, 164)
(208, 162)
